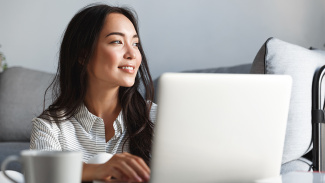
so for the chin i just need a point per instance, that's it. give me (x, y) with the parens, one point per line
(128, 84)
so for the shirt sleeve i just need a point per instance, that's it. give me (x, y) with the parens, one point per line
(44, 136)
(153, 113)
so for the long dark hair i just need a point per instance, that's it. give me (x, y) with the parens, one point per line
(70, 83)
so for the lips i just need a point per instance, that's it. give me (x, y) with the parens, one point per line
(127, 68)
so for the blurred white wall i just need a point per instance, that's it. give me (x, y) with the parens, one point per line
(177, 34)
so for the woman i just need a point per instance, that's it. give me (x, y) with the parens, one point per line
(97, 106)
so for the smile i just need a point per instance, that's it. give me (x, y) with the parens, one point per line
(129, 68)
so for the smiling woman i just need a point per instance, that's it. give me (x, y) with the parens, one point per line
(96, 103)
(117, 43)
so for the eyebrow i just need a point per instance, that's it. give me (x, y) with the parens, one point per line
(120, 34)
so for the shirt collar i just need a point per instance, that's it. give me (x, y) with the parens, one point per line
(87, 120)
(119, 125)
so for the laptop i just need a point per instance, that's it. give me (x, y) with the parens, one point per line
(219, 127)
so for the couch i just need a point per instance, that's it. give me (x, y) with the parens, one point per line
(22, 91)
(21, 99)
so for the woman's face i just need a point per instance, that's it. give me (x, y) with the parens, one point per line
(116, 58)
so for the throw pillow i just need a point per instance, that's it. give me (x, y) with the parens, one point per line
(279, 57)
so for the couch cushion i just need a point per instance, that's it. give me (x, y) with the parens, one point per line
(21, 99)
(279, 57)
(238, 69)
(12, 148)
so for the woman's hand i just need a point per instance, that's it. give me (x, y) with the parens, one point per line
(124, 167)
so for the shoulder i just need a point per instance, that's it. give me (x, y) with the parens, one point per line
(42, 122)
(45, 135)
(46, 120)
(44, 125)
(51, 118)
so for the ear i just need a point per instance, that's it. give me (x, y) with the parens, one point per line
(82, 58)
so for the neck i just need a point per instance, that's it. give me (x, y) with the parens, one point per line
(101, 102)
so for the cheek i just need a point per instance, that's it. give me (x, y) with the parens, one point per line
(139, 60)
(107, 61)
(110, 57)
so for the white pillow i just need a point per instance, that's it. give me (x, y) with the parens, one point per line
(279, 57)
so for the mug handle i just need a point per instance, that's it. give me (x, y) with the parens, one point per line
(6, 162)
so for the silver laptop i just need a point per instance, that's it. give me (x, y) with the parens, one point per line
(219, 127)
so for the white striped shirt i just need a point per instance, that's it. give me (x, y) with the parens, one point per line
(83, 132)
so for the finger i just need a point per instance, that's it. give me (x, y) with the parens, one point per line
(140, 167)
(109, 178)
(139, 160)
(128, 171)
(136, 164)
(143, 164)
(117, 175)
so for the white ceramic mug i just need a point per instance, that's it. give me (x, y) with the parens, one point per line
(47, 166)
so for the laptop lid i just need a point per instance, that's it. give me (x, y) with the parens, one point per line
(219, 127)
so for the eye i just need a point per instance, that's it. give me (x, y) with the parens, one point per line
(136, 44)
(116, 42)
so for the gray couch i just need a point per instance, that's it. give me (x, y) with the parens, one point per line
(21, 95)
(21, 99)
(22, 91)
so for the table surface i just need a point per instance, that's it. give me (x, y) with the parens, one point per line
(292, 177)
(304, 177)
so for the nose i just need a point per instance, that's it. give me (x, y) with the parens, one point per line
(130, 52)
